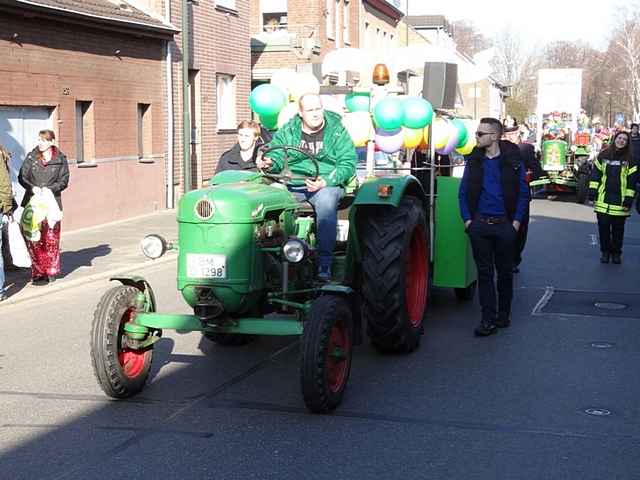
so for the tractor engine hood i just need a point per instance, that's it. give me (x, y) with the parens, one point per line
(241, 202)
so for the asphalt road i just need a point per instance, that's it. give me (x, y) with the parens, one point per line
(512, 406)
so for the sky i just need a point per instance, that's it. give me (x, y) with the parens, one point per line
(538, 21)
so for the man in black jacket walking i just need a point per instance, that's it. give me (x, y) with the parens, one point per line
(493, 200)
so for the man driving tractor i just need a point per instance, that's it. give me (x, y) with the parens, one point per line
(323, 135)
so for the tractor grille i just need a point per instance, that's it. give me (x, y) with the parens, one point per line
(204, 208)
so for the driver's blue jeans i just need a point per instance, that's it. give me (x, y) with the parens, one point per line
(325, 203)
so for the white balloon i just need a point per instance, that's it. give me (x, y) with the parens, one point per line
(333, 104)
(304, 83)
(284, 78)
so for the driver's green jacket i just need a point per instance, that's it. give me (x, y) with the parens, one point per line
(336, 159)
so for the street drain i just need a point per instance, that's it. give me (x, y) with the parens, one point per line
(602, 345)
(597, 412)
(610, 306)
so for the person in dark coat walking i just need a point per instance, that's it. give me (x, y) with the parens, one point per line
(493, 200)
(242, 156)
(45, 167)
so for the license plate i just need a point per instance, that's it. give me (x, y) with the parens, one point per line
(206, 266)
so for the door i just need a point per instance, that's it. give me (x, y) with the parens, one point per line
(19, 127)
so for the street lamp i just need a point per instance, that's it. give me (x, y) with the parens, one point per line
(609, 94)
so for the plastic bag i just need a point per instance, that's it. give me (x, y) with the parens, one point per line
(17, 247)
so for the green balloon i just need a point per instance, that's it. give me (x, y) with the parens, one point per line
(463, 134)
(418, 113)
(389, 114)
(267, 100)
(270, 122)
(358, 102)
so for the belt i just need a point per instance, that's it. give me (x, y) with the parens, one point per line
(491, 220)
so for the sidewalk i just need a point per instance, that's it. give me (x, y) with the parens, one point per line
(98, 252)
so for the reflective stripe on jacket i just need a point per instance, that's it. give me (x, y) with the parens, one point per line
(613, 186)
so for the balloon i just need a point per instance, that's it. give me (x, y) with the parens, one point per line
(304, 83)
(359, 126)
(452, 142)
(389, 141)
(418, 113)
(424, 144)
(270, 122)
(284, 78)
(389, 114)
(440, 132)
(358, 101)
(463, 134)
(331, 103)
(287, 113)
(467, 147)
(267, 100)
(413, 137)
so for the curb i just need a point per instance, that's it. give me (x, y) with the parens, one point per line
(63, 285)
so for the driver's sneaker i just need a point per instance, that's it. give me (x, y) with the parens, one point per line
(324, 274)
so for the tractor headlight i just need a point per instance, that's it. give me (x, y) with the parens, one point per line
(295, 250)
(153, 246)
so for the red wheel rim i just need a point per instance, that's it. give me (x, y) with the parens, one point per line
(131, 361)
(416, 278)
(337, 362)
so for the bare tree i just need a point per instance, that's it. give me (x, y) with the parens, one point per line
(509, 58)
(468, 40)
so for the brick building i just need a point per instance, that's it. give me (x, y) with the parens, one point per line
(91, 72)
(298, 33)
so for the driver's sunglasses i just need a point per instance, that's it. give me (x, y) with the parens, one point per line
(482, 134)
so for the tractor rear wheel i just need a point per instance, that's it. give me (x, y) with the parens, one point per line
(229, 339)
(327, 343)
(120, 371)
(395, 275)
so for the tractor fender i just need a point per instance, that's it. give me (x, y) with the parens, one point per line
(396, 186)
(356, 306)
(141, 284)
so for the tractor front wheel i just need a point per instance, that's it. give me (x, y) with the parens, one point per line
(582, 187)
(327, 343)
(121, 371)
(395, 269)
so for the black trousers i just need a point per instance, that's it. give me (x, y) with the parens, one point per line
(611, 231)
(493, 250)
(521, 239)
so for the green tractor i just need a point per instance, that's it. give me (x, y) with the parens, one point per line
(247, 267)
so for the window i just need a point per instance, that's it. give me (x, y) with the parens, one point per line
(85, 132)
(274, 15)
(345, 23)
(230, 4)
(144, 130)
(226, 96)
(329, 17)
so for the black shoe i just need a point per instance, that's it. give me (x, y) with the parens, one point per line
(39, 281)
(617, 258)
(604, 258)
(485, 329)
(516, 269)
(52, 279)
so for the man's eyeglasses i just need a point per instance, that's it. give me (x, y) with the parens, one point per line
(482, 134)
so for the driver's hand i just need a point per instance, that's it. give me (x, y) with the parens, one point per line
(315, 185)
(264, 163)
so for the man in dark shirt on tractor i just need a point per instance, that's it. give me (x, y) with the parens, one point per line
(323, 135)
(493, 200)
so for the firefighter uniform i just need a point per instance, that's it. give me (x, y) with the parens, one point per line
(612, 189)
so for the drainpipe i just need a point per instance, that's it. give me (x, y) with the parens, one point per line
(186, 106)
(169, 75)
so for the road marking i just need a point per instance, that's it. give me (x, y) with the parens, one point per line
(548, 293)
(594, 239)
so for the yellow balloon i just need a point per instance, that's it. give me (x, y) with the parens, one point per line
(441, 132)
(467, 147)
(424, 144)
(413, 137)
(359, 126)
(287, 113)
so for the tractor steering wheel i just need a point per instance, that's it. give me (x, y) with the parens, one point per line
(285, 176)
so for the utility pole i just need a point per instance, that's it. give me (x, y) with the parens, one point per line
(186, 100)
